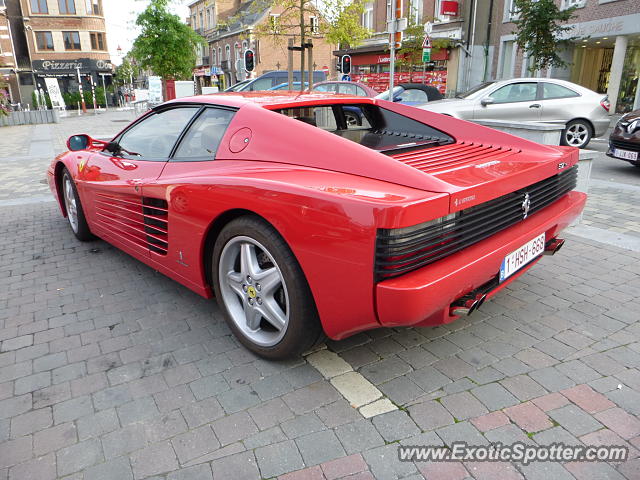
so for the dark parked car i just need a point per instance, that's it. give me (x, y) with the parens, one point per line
(413, 93)
(624, 141)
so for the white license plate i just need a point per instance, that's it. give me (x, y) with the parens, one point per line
(520, 257)
(626, 154)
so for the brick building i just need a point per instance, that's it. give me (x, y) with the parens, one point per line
(606, 57)
(229, 27)
(58, 39)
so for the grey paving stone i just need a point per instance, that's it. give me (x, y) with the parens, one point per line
(123, 441)
(72, 409)
(202, 412)
(209, 386)
(545, 471)
(98, 424)
(88, 384)
(32, 383)
(430, 415)
(523, 387)
(575, 420)
(384, 463)
(555, 435)
(454, 368)
(40, 468)
(302, 425)
(49, 362)
(111, 397)
(238, 399)
(555, 348)
(51, 395)
(395, 425)
(181, 375)
(358, 436)
(486, 375)
(385, 370)
(627, 399)
(197, 472)
(69, 372)
(234, 427)
(194, 443)
(302, 375)
(114, 469)
(173, 398)
(508, 435)
(311, 397)
(265, 437)
(429, 379)
(137, 411)
(418, 357)
(242, 466)
(462, 431)
(271, 387)
(359, 356)
(578, 371)
(494, 396)
(153, 460)
(15, 451)
(401, 390)
(337, 413)
(166, 426)
(147, 386)
(463, 405)
(54, 438)
(319, 447)
(279, 458)
(31, 422)
(16, 343)
(79, 456)
(15, 405)
(458, 386)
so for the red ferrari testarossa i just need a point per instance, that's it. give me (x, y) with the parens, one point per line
(301, 222)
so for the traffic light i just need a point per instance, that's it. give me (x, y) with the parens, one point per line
(345, 64)
(249, 60)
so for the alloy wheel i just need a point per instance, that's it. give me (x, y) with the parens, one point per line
(577, 134)
(254, 291)
(70, 203)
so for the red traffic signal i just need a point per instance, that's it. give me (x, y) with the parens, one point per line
(345, 64)
(249, 60)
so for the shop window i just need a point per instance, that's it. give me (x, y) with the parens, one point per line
(39, 6)
(367, 16)
(71, 40)
(97, 41)
(94, 7)
(44, 40)
(67, 7)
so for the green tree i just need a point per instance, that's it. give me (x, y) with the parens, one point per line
(126, 71)
(165, 45)
(410, 53)
(342, 26)
(540, 32)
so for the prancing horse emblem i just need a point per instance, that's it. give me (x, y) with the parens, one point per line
(526, 205)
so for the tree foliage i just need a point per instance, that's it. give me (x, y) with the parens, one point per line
(540, 31)
(342, 24)
(126, 71)
(165, 45)
(410, 53)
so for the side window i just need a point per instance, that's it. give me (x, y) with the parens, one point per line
(415, 95)
(261, 84)
(360, 92)
(551, 90)
(154, 137)
(203, 137)
(347, 88)
(516, 92)
(355, 118)
(321, 117)
(326, 87)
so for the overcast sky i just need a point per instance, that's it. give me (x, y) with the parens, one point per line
(121, 16)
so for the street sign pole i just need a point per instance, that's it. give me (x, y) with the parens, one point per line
(392, 54)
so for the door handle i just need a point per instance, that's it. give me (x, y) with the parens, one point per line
(535, 105)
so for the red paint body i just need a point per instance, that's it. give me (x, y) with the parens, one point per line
(327, 196)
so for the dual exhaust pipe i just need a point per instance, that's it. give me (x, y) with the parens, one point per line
(471, 302)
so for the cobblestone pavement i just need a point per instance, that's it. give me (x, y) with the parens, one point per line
(109, 370)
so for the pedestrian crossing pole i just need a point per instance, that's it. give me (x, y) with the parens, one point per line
(84, 106)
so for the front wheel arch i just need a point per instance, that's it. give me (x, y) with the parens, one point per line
(578, 119)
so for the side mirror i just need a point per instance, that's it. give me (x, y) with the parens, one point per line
(78, 142)
(486, 101)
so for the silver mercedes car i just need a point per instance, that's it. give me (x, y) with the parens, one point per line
(584, 112)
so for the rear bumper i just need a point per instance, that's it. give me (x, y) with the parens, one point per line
(423, 297)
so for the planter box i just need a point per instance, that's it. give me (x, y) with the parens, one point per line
(30, 118)
(545, 133)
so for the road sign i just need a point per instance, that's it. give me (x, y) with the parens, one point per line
(346, 78)
(428, 27)
(426, 43)
(326, 70)
(426, 55)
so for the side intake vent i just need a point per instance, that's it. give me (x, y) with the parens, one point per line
(155, 212)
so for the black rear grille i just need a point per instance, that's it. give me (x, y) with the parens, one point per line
(625, 145)
(404, 249)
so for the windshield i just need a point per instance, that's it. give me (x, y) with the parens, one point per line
(475, 89)
(385, 95)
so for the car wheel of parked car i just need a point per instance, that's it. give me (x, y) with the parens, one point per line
(75, 213)
(576, 134)
(352, 120)
(262, 290)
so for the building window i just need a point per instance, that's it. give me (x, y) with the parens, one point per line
(193, 22)
(274, 22)
(97, 41)
(94, 7)
(71, 40)
(315, 25)
(44, 40)
(220, 54)
(506, 64)
(39, 6)
(510, 11)
(227, 52)
(415, 11)
(201, 20)
(572, 3)
(245, 46)
(214, 57)
(67, 7)
(208, 18)
(367, 16)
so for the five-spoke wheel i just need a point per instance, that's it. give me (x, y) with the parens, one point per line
(576, 134)
(73, 207)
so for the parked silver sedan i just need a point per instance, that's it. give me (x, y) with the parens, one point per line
(584, 112)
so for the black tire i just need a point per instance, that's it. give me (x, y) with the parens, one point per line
(81, 230)
(355, 119)
(303, 329)
(577, 133)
